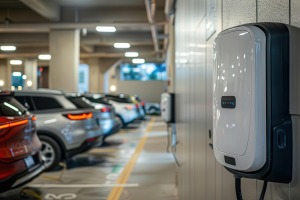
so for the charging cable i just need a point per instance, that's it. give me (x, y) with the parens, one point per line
(263, 191)
(238, 191)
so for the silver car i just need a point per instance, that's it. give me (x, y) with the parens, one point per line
(108, 120)
(63, 129)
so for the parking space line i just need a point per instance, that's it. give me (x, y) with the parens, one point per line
(103, 150)
(117, 191)
(81, 185)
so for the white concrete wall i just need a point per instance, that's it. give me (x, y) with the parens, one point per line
(200, 177)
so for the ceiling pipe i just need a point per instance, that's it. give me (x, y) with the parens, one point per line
(168, 13)
(46, 27)
(152, 24)
(167, 9)
(153, 9)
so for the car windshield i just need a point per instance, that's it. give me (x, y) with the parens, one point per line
(119, 99)
(103, 100)
(80, 102)
(9, 106)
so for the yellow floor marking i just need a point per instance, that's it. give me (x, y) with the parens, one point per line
(117, 191)
(27, 192)
(103, 150)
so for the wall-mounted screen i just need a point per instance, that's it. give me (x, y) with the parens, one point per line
(143, 72)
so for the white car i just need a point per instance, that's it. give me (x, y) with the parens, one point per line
(126, 112)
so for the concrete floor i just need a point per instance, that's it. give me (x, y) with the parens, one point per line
(133, 165)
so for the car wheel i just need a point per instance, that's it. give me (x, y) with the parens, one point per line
(121, 121)
(51, 152)
(153, 110)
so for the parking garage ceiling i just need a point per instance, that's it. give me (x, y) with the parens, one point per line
(142, 23)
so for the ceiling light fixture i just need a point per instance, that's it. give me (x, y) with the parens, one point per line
(44, 57)
(16, 62)
(121, 45)
(1, 83)
(138, 61)
(17, 74)
(106, 29)
(131, 54)
(29, 83)
(113, 88)
(8, 48)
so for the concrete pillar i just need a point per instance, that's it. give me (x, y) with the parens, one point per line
(95, 84)
(63, 66)
(98, 67)
(30, 70)
(5, 74)
(111, 80)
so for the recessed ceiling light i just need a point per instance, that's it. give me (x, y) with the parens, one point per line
(131, 54)
(44, 57)
(138, 61)
(106, 29)
(121, 45)
(8, 48)
(16, 62)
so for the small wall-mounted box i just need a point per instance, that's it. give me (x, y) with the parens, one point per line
(167, 105)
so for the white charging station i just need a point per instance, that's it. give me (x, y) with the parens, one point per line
(167, 106)
(252, 128)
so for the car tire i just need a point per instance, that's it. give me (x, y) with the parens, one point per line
(153, 110)
(51, 152)
(121, 121)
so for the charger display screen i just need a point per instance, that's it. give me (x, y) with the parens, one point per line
(228, 102)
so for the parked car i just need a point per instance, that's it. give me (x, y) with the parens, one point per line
(108, 120)
(63, 129)
(126, 98)
(20, 159)
(126, 112)
(136, 98)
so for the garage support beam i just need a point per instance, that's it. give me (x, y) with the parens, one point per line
(64, 50)
(5, 73)
(46, 8)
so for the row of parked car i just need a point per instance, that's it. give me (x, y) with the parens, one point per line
(40, 128)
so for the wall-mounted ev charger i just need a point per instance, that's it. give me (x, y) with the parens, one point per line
(252, 127)
(167, 106)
